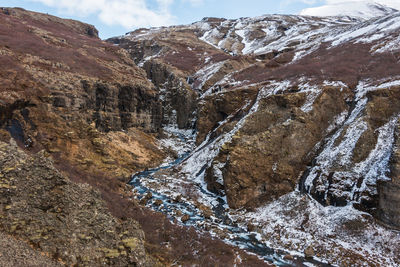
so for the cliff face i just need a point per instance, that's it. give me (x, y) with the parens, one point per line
(389, 191)
(84, 75)
(178, 99)
(63, 87)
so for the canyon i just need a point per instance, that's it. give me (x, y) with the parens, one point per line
(246, 142)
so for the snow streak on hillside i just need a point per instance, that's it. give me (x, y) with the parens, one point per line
(267, 33)
(296, 222)
(334, 173)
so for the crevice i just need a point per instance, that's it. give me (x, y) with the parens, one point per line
(312, 163)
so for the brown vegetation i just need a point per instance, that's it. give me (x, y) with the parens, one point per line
(166, 241)
(348, 63)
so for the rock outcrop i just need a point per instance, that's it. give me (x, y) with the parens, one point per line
(230, 106)
(178, 99)
(389, 203)
(266, 156)
(77, 97)
(389, 191)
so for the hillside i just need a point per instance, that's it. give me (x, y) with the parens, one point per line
(358, 9)
(77, 118)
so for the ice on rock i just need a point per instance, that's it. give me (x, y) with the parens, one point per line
(337, 154)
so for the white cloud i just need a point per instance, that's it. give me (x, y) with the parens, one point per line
(127, 13)
(194, 2)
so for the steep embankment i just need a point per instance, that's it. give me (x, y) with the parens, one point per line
(63, 87)
(290, 105)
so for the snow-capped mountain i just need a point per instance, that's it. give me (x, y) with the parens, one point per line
(359, 9)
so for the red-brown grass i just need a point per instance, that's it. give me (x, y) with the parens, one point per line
(18, 35)
(348, 63)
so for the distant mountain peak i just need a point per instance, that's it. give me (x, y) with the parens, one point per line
(359, 9)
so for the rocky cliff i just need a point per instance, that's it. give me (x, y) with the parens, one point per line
(312, 75)
(63, 87)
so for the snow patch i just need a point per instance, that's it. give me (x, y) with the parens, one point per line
(361, 9)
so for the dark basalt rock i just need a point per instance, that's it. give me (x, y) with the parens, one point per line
(389, 203)
(179, 100)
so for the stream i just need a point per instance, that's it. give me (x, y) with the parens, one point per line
(234, 234)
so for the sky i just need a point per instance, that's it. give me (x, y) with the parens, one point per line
(116, 17)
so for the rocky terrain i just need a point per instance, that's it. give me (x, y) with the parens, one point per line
(276, 135)
(297, 120)
(77, 118)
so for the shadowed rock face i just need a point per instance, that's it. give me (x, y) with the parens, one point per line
(389, 203)
(389, 191)
(178, 99)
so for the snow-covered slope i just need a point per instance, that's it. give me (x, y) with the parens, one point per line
(266, 33)
(247, 36)
(359, 9)
(383, 32)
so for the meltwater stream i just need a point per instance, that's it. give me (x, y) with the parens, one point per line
(236, 235)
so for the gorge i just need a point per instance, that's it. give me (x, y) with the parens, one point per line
(248, 142)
